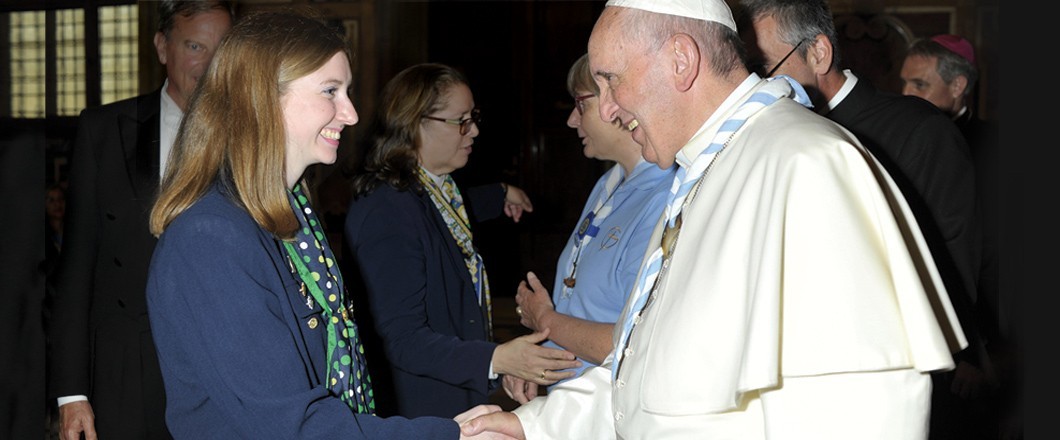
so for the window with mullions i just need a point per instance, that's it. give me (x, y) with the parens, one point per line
(46, 63)
(69, 61)
(117, 52)
(27, 63)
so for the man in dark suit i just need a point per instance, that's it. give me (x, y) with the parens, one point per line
(919, 146)
(942, 70)
(102, 364)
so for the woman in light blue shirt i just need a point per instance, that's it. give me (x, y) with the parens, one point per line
(598, 266)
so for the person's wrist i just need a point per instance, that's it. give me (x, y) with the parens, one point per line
(497, 365)
(544, 319)
(504, 187)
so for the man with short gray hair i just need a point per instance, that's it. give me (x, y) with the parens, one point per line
(102, 366)
(941, 70)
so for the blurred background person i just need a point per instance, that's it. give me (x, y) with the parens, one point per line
(408, 230)
(598, 266)
(102, 363)
(942, 69)
(25, 259)
(54, 212)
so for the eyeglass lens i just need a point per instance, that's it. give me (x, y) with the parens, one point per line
(465, 125)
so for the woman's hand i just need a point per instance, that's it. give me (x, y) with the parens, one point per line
(516, 202)
(533, 303)
(524, 358)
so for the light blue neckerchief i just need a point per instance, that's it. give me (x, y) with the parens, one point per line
(686, 178)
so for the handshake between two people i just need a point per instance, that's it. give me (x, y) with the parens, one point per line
(489, 422)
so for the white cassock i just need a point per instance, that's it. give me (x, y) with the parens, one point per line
(801, 301)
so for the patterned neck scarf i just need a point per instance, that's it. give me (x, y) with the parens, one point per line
(311, 256)
(456, 219)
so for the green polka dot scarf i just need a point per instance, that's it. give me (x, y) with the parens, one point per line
(347, 373)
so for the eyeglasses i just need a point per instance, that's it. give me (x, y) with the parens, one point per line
(782, 60)
(465, 124)
(579, 103)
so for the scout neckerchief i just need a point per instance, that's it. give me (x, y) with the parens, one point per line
(590, 226)
(311, 257)
(683, 182)
(455, 216)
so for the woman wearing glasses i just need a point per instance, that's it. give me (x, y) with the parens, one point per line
(408, 229)
(598, 267)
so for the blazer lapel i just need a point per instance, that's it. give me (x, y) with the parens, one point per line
(452, 248)
(140, 141)
(456, 257)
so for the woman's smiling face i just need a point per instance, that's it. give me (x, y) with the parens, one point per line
(316, 108)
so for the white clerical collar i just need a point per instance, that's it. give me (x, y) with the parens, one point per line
(691, 150)
(169, 122)
(964, 109)
(848, 85)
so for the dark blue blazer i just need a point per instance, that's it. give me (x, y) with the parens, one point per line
(421, 298)
(242, 356)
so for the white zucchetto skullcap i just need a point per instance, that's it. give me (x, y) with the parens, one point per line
(708, 10)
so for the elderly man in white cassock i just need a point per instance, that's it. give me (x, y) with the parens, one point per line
(787, 292)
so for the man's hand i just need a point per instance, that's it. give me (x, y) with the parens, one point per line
(502, 423)
(474, 412)
(75, 418)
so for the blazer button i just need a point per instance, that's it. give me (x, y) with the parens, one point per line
(312, 323)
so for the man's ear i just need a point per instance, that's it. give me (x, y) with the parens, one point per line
(819, 54)
(160, 46)
(958, 86)
(685, 61)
